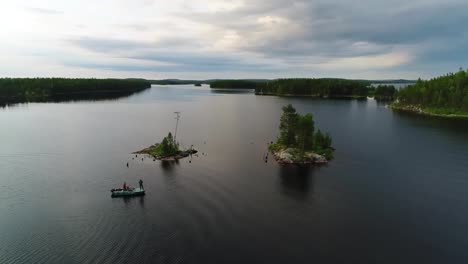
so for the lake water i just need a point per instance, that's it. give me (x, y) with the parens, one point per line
(396, 192)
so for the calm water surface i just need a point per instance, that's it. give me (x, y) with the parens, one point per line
(396, 192)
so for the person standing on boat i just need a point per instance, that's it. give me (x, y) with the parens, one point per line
(124, 186)
(141, 184)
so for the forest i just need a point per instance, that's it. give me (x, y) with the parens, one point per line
(382, 92)
(37, 89)
(235, 84)
(176, 82)
(325, 87)
(447, 94)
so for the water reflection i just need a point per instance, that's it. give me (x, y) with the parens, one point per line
(132, 201)
(169, 165)
(296, 181)
(455, 126)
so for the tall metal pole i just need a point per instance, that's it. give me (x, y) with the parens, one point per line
(177, 124)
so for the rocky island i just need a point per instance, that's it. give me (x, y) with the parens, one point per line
(298, 142)
(168, 149)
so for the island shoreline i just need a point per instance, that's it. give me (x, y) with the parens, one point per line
(424, 111)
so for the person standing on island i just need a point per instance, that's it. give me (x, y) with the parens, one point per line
(141, 184)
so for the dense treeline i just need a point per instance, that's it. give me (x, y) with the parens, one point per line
(382, 92)
(449, 92)
(33, 89)
(234, 84)
(399, 81)
(176, 82)
(328, 88)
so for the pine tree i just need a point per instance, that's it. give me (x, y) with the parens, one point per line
(288, 125)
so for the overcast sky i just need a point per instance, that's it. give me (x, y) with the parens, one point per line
(201, 39)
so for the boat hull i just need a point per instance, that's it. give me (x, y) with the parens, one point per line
(122, 193)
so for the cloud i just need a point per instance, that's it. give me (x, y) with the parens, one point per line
(329, 38)
(43, 11)
(146, 56)
(388, 60)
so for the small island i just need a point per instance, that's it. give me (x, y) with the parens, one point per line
(298, 142)
(167, 150)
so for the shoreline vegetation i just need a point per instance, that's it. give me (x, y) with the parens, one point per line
(167, 150)
(298, 142)
(236, 84)
(321, 88)
(444, 96)
(18, 90)
(428, 111)
(316, 88)
(382, 92)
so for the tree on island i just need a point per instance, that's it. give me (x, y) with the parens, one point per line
(168, 146)
(297, 133)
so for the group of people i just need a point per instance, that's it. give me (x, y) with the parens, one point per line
(125, 187)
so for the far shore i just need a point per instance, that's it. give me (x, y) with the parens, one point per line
(359, 97)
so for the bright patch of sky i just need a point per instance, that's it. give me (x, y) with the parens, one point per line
(202, 39)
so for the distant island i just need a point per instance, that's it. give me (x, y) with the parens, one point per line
(322, 88)
(382, 92)
(298, 142)
(45, 89)
(444, 96)
(168, 149)
(176, 82)
(236, 84)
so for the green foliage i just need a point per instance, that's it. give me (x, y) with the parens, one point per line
(327, 152)
(329, 88)
(176, 82)
(305, 132)
(298, 132)
(384, 92)
(449, 92)
(288, 126)
(274, 147)
(322, 144)
(319, 139)
(32, 89)
(234, 84)
(167, 147)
